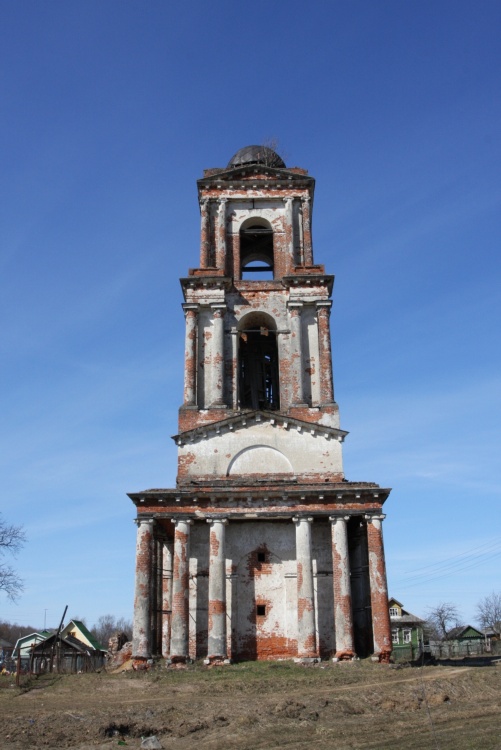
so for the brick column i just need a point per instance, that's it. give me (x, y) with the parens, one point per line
(217, 650)
(307, 246)
(381, 626)
(296, 353)
(204, 233)
(325, 354)
(343, 618)
(190, 355)
(306, 635)
(217, 358)
(179, 649)
(166, 596)
(221, 235)
(141, 629)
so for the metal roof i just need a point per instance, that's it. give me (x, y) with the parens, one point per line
(257, 155)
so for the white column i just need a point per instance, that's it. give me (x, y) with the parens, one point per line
(296, 366)
(166, 596)
(179, 650)
(307, 244)
(141, 629)
(221, 235)
(343, 618)
(217, 356)
(204, 233)
(217, 591)
(306, 635)
(289, 231)
(190, 354)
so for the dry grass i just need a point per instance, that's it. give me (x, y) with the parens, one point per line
(260, 705)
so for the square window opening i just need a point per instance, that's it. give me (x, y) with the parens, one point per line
(261, 610)
(261, 556)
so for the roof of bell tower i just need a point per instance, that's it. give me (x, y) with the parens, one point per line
(257, 155)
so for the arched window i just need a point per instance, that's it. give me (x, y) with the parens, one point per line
(259, 386)
(256, 249)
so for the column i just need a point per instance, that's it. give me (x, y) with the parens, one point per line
(190, 355)
(295, 353)
(381, 627)
(204, 233)
(234, 368)
(343, 618)
(289, 232)
(179, 650)
(324, 351)
(306, 635)
(166, 596)
(141, 632)
(221, 235)
(217, 358)
(217, 591)
(307, 247)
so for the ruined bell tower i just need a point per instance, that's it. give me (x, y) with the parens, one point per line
(263, 550)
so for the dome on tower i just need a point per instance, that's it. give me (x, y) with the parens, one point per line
(257, 155)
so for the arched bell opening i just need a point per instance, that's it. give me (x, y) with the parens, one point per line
(256, 250)
(258, 370)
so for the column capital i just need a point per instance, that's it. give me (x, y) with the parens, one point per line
(187, 306)
(298, 519)
(224, 521)
(139, 520)
(334, 519)
(324, 304)
(375, 517)
(188, 521)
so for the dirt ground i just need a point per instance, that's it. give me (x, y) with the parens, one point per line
(266, 705)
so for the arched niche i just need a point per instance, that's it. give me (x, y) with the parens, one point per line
(259, 459)
(258, 366)
(256, 249)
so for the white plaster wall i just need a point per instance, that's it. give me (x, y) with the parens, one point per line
(278, 588)
(304, 452)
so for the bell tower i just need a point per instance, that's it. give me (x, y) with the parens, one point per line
(263, 550)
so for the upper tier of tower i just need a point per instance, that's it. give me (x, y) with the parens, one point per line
(256, 218)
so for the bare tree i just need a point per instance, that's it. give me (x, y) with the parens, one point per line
(489, 611)
(12, 539)
(108, 625)
(442, 618)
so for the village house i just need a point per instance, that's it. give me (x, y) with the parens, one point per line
(406, 632)
(263, 549)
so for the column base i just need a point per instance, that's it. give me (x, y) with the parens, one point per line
(346, 655)
(178, 661)
(384, 657)
(216, 661)
(306, 659)
(141, 663)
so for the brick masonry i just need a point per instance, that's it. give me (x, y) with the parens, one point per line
(259, 452)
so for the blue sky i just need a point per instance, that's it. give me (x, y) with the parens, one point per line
(110, 112)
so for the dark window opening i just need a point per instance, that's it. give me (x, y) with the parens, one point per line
(261, 556)
(256, 253)
(261, 610)
(258, 363)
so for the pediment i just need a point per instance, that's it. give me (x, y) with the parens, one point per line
(251, 172)
(249, 419)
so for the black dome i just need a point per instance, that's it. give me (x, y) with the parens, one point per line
(257, 155)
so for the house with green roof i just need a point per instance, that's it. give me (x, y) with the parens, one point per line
(78, 630)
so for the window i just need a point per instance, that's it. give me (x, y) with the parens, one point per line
(394, 636)
(259, 369)
(261, 557)
(407, 636)
(256, 250)
(261, 610)
(394, 612)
